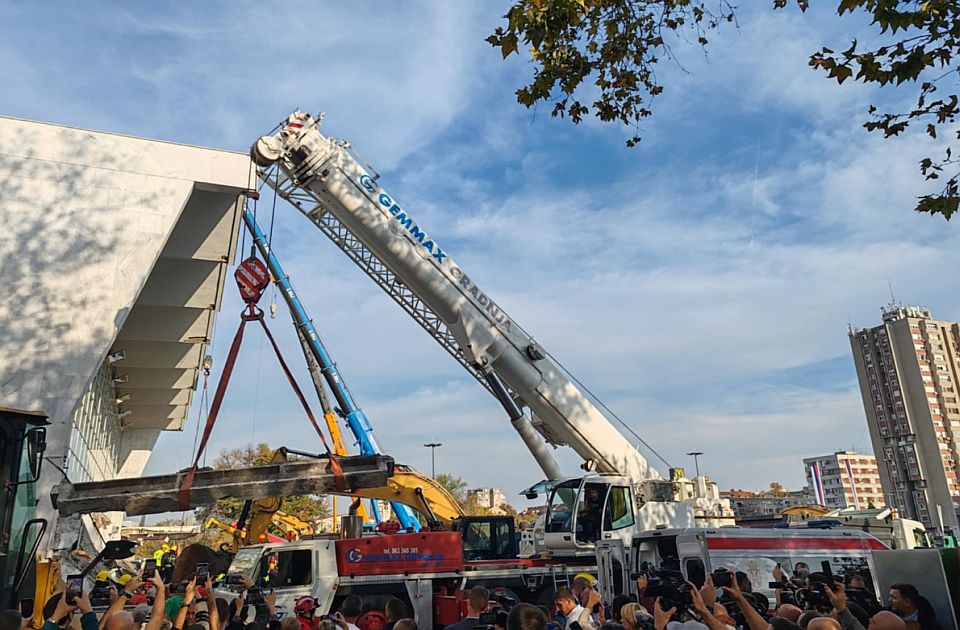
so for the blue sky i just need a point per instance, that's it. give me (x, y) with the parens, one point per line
(700, 284)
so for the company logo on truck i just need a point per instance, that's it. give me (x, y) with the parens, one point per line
(427, 243)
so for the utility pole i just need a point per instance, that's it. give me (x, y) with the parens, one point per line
(433, 457)
(696, 460)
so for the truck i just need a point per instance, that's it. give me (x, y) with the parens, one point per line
(697, 552)
(429, 570)
(621, 493)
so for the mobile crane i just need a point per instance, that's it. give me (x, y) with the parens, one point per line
(621, 492)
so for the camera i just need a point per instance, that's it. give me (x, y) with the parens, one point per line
(100, 594)
(672, 589)
(722, 577)
(489, 620)
(255, 596)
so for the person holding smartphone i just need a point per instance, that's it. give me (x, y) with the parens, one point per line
(71, 601)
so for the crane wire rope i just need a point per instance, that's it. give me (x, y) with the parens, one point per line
(603, 405)
(594, 397)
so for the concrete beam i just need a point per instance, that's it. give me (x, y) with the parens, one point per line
(182, 283)
(159, 494)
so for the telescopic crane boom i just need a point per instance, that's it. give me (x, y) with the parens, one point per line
(322, 178)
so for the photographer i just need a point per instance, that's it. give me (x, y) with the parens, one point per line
(116, 618)
(264, 609)
(64, 611)
(753, 618)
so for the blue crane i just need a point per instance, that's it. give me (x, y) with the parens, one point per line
(349, 410)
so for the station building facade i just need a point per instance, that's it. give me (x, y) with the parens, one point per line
(113, 263)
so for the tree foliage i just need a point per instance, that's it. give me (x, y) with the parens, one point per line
(456, 486)
(309, 508)
(921, 43)
(616, 44)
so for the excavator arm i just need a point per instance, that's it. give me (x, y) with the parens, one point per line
(417, 491)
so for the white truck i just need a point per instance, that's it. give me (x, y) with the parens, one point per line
(697, 552)
(621, 494)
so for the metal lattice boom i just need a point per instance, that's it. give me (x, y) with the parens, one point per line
(304, 201)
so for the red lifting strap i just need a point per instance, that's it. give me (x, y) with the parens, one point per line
(252, 313)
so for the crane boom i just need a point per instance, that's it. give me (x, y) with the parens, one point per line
(486, 337)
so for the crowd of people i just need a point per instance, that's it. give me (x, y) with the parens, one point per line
(664, 601)
(154, 604)
(806, 600)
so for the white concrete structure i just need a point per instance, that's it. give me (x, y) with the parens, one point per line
(112, 244)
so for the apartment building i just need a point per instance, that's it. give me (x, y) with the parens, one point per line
(908, 371)
(845, 479)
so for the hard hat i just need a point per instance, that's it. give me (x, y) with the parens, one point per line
(126, 577)
(165, 547)
(173, 547)
(592, 581)
(103, 576)
(305, 605)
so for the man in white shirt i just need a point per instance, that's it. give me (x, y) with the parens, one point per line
(573, 612)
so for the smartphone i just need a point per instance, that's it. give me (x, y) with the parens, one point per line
(149, 568)
(74, 588)
(203, 572)
(827, 571)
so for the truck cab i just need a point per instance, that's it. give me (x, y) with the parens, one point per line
(488, 537)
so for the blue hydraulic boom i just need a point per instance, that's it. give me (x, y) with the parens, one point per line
(351, 412)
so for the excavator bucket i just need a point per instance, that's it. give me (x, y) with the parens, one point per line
(159, 494)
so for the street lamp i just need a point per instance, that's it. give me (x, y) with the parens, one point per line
(696, 461)
(433, 457)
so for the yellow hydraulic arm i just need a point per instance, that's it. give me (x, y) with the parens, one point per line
(417, 490)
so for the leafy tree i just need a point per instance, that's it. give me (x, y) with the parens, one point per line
(777, 490)
(922, 44)
(308, 507)
(617, 44)
(456, 486)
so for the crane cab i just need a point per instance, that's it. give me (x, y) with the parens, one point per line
(585, 510)
(582, 511)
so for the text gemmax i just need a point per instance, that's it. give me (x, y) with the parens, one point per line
(407, 222)
(427, 243)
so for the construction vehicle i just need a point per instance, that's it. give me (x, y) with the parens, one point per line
(697, 552)
(431, 570)
(285, 522)
(621, 494)
(22, 445)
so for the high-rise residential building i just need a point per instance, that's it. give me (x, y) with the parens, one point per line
(909, 373)
(490, 498)
(845, 479)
